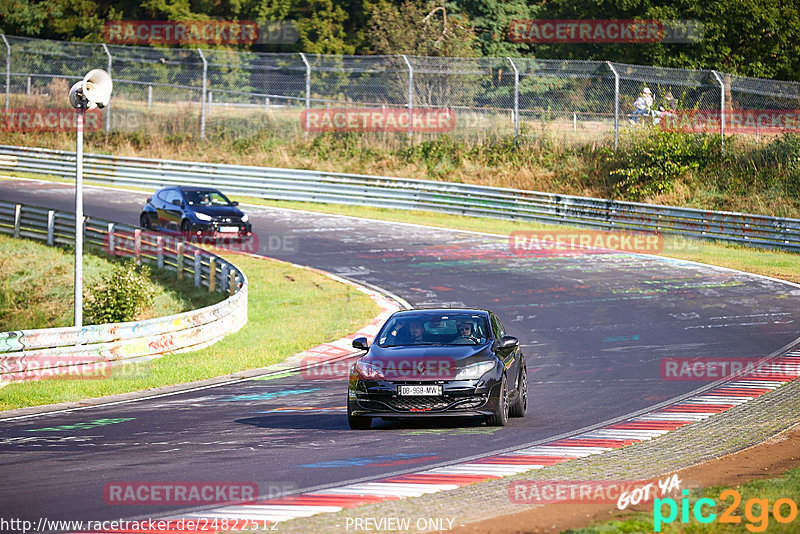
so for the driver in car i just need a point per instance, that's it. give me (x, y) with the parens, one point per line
(465, 334)
(415, 331)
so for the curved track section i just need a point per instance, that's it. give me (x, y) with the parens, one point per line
(594, 326)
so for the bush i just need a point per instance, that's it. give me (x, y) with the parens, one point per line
(651, 161)
(121, 295)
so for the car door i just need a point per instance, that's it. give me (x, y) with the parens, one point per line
(510, 358)
(160, 201)
(173, 215)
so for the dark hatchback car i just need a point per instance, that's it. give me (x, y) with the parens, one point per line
(195, 212)
(438, 362)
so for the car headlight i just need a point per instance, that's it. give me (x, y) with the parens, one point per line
(367, 370)
(203, 216)
(474, 371)
(245, 218)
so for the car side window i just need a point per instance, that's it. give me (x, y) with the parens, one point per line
(499, 332)
(173, 195)
(163, 196)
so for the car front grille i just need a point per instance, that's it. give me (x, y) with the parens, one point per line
(421, 404)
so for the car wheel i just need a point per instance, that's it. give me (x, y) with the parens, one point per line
(500, 415)
(357, 422)
(144, 221)
(520, 405)
(186, 230)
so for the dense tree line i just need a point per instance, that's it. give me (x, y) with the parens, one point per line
(750, 37)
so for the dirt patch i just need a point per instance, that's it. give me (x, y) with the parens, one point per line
(768, 459)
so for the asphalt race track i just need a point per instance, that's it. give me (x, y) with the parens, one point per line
(593, 325)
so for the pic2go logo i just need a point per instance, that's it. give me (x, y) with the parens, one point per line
(756, 511)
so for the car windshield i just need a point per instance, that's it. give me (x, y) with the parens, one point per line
(445, 329)
(206, 198)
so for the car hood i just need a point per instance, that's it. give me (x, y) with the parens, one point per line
(461, 354)
(219, 211)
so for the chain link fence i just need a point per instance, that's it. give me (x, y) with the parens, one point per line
(206, 93)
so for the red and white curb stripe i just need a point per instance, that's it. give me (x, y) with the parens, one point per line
(614, 436)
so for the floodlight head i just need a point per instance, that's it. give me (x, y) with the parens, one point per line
(93, 91)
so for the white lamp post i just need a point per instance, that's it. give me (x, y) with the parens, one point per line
(93, 91)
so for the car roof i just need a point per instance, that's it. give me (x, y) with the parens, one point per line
(440, 311)
(188, 188)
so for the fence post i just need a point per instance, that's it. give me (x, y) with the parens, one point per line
(516, 99)
(721, 109)
(17, 219)
(160, 252)
(232, 282)
(198, 269)
(212, 275)
(203, 96)
(137, 246)
(179, 260)
(51, 226)
(149, 96)
(410, 95)
(8, 70)
(308, 88)
(210, 100)
(110, 234)
(223, 278)
(108, 108)
(616, 104)
(28, 87)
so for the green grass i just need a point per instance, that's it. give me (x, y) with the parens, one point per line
(771, 489)
(290, 309)
(39, 294)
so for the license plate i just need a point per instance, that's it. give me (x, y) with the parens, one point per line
(419, 391)
(229, 229)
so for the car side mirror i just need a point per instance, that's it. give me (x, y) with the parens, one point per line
(178, 203)
(508, 342)
(149, 199)
(235, 203)
(360, 343)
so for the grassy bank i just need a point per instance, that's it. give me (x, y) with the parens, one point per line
(290, 309)
(651, 165)
(39, 294)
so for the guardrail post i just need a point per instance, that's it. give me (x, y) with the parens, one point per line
(308, 88)
(203, 96)
(232, 282)
(212, 275)
(410, 95)
(111, 244)
(179, 260)
(160, 252)
(17, 219)
(198, 268)
(137, 246)
(516, 99)
(108, 108)
(51, 226)
(721, 109)
(616, 104)
(223, 278)
(8, 70)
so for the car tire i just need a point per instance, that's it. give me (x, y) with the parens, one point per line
(358, 422)
(186, 230)
(520, 405)
(144, 221)
(500, 415)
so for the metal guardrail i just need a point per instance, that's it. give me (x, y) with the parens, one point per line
(61, 352)
(386, 192)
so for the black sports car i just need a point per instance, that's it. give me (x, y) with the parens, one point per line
(195, 212)
(438, 362)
